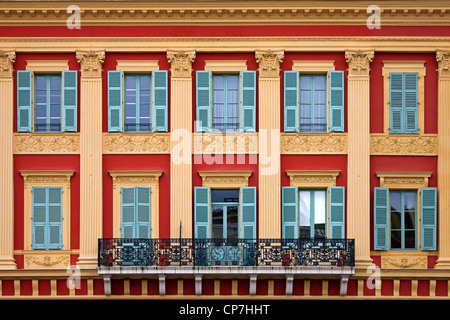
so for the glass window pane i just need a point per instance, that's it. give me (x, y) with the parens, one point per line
(305, 214)
(396, 240)
(410, 239)
(217, 222)
(225, 195)
(319, 213)
(232, 222)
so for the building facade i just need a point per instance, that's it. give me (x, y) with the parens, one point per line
(224, 149)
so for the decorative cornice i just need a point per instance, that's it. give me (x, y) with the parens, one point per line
(45, 143)
(91, 63)
(7, 59)
(321, 178)
(43, 176)
(359, 62)
(140, 13)
(181, 63)
(135, 177)
(404, 179)
(315, 143)
(114, 143)
(388, 144)
(443, 59)
(224, 179)
(269, 62)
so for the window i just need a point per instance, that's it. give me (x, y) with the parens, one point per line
(396, 214)
(305, 102)
(136, 212)
(403, 103)
(305, 212)
(54, 106)
(47, 218)
(139, 106)
(229, 98)
(225, 213)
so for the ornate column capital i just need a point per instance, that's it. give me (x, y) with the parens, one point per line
(181, 62)
(7, 58)
(91, 62)
(359, 62)
(269, 62)
(443, 59)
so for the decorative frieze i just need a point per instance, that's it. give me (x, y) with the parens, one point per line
(150, 143)
(385, 144)
(219, 143)
(46, 259)
(269, 63)
(7, 59)
(181, 63)
(359, 62)
(91, 63)
(45, 143)
(317, 143)
(404, 262)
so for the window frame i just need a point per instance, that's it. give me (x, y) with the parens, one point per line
(402, 215)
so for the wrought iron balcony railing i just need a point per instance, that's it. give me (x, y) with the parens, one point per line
(120, 252)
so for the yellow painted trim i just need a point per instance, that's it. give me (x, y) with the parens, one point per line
(47, 65)
(136, 179)
(312, 178)
(42, 178)
(225, 179)
(404, 66)
(226, 65)
(137, 65)
(313, 66)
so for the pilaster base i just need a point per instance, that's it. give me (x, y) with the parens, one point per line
(7, 263)
(442, 263)
(87, 262)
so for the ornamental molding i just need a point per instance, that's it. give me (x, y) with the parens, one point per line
(308, 178)
(134, 178)
(33, 177)
(411, 180)
(7, 59)
(149, 143)
(46, 143)
(231, 12)
(181, 63)
(443, 59)
(359, 62)
(91, 63)
(269, 62)
(225, 179)
(46, 260)
(225, 143)
(315, 143)
(404, 262)
(388, 144)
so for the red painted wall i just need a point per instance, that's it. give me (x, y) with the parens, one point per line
(137, 163)
(377, 89)
(46, 162)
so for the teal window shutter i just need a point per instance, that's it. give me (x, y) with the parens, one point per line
(428, 218)
(337, 212)
(47, 218)
(203, 99)
(248, 213)
(115, 101)
(403, 103)
(336, 85)
(70, 87)
(128, 212)
(289, 199)
(248, 101)
(381, 215)
(160, 101)
(202, 214)
(23, 101)
(291, 99)
(411, 102)
(143, 212)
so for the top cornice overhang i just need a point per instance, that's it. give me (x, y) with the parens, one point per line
(102, 13)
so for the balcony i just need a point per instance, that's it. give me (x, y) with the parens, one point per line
(119, 257)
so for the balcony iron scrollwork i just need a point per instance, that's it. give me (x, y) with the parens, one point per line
(222, 252)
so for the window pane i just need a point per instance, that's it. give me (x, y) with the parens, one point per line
(217, 222)
(225, 195)
(232, 222)
(319, 214)
(410, 239)
(396, 241)
(305, 214)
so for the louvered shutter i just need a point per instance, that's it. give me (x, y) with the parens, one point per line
(203, 100)
(160, 101)
(291, 101)
(248, 101)
(115, 101)
(248, 212)
(337, 212)
(24, 101)
(289, 212)
(336, 101)
(428, 218)
(201, 212)
(381, 215)
(70, 87)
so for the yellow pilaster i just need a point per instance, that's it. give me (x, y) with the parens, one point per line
(181, 143)
(269, 143)
(443, 58)
(90, 156)
(358, 180)
(7, 261)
